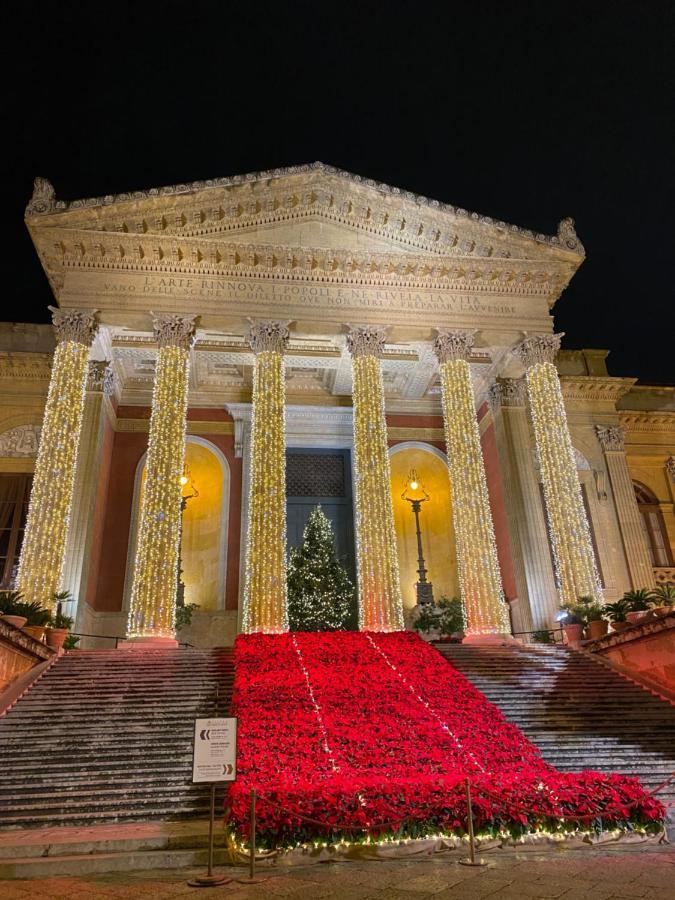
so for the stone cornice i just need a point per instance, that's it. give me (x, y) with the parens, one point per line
(217, 203)
(169, 255)
(663, 422)
(22, 366)
(593, 387)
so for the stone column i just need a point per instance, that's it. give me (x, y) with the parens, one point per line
(152, 609)
(265, 596)
(530, 539)
(46, 533)
(87, 475)
(611, 439)
(479, 576)
(576, 569)
(380, 599)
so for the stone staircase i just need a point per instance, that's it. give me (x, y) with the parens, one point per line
(577, 711)
(106, 736)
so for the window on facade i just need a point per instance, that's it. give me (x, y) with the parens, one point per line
(14, 496)
(653, 526)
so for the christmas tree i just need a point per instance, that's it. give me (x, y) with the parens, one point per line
(320, 593)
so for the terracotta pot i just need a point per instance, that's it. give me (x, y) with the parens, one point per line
(56, 637)
(597, 629)
(635, 617)
(16, 621)
(620, 626)
(573, 634)
(663, 610)
(35, 631)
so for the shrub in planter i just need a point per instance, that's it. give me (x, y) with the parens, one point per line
(639, 602)
(58, 631)
(616, 613)
(596, 622)
(663, 598)
(446, 618)
(19, 612)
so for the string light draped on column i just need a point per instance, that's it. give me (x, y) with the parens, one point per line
(265, 598)
(152, 612)
(380, 600)
(44, 545)
(576, 570)
(479, 575)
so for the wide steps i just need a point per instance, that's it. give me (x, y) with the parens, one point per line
(106, 736)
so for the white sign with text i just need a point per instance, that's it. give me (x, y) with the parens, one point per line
(215, 750)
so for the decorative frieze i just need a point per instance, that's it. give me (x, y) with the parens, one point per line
(78, 326)
(611, 437)
(366, 340)
(268, 336)
(539, 348)
(174, 331)
(20, 441)
(451, 345)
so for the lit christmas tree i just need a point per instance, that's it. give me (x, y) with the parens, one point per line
(320, 593)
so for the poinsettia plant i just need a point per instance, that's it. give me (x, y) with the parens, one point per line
(351, 734)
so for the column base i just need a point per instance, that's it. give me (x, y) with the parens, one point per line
(488, 639)
(147, 643)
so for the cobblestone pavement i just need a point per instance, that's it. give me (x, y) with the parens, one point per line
(571, 875)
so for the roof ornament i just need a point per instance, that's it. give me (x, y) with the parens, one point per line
(43, 199)
(567, 235)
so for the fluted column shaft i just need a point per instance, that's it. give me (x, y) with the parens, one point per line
(265, 593)
(576, 568)
(479, 574)
(380, 599)
(46, 532)
(611, 438)
(152, 611)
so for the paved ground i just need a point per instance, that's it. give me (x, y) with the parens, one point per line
(617, 874)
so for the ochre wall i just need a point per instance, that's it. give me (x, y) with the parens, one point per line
(128, 448)
(438, 536)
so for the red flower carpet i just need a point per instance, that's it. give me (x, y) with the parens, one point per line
(346, 735)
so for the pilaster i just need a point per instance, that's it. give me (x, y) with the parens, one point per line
(611, 439)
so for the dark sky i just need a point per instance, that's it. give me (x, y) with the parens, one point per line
(527, 112)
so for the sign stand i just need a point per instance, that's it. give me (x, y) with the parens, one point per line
(471, 860)
(214, 761)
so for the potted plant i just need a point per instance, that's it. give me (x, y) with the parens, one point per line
(38, 618)
(616, 612)
(59, 624)
(572, 620)
(597, 624)
(639, 603)
(13, 608)
(663, 599)
(446, 619)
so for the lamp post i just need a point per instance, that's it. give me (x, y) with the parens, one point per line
(416, 495)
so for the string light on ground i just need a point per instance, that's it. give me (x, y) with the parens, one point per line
(152, 612)
(380, 599)
(43, 550)
(575, 564)
(265, 592)
(479, 575)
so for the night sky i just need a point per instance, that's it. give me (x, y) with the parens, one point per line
(526, 112)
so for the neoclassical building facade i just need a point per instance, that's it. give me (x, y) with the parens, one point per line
(225, 355)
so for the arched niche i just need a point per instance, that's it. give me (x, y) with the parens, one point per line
(205, 526)
(436, 524)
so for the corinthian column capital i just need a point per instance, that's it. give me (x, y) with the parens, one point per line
(611, 437)
(75, 325)
(268, 336)
(366, 340)
(100, 378)
(174, 331)
(451, 345)
(670, 466)
(507, 392)
(538, 348)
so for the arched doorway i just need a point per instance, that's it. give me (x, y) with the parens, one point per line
(436, 524)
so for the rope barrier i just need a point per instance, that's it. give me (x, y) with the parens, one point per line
(513, 806)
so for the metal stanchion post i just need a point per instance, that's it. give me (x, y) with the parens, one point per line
(252, 878)
(471, 860)
(210, 880)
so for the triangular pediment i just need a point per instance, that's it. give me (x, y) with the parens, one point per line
(282, 207)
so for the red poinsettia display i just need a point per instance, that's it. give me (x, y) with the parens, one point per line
(344, 734)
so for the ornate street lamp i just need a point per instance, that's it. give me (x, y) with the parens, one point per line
(416, 495)
(188, 492)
